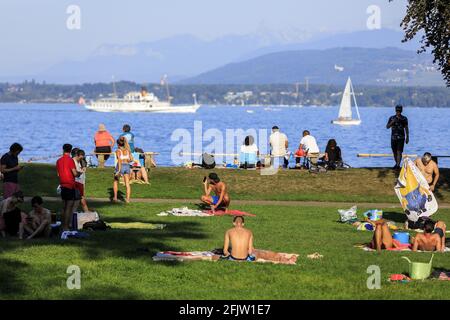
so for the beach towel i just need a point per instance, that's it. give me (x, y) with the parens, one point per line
(73, 234)
(414, 193)
(184, 212)
(231, 213)
(205, 256)
(186, 256)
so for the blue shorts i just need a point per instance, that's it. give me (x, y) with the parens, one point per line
(249, 258)
(124, 170)
(215, 199)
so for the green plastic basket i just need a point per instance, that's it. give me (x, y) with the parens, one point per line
(419, 270)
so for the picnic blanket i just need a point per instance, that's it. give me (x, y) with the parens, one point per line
(414, 193)
(186, 212)
(406, 247)
(186, 256)
(204, 256)
(73, 234)
(231, 213)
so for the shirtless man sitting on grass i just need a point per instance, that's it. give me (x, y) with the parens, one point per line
(221, 198)
(432, 238)
(39, 220)
(240, 240)
(429, 169)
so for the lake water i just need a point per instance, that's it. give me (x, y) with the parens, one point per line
(42, 129)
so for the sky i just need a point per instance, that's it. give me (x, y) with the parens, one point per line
(34, 33)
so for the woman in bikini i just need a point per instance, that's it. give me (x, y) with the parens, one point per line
(124, 157)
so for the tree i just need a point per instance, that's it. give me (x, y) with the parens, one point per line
(432, 17)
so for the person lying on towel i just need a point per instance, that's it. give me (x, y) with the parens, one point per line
(433, 237)
(382, 238)
(221, 199)
(240, 240)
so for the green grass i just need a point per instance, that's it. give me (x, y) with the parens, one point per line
(112, 268)
(355, 185)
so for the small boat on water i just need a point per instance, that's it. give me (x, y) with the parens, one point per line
(345, 117)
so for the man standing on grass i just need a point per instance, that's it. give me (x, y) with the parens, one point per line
(399, 135)
(9, 167)
(429, 169)
(66, 169)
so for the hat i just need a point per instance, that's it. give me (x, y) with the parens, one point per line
(101, 127)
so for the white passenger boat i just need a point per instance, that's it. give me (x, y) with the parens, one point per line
(142, 101)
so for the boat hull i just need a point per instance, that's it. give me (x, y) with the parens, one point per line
(353, 122)
(138, 107)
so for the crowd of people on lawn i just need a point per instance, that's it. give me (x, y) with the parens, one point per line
(71, 170)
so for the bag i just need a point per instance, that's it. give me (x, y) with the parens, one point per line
(85, 217)
(348, 215)
(208, 161)
(300, 153)
(96, 225)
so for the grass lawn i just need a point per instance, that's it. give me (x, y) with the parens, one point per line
(111, 267)
(355, 185)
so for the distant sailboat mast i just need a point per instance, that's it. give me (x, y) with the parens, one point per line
(354, 99)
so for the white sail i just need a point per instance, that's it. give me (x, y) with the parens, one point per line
(345, 111)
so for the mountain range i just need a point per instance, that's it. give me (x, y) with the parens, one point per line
(368, 66)
(188, 59)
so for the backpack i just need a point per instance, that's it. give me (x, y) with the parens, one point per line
(96, 225)
(208, 161)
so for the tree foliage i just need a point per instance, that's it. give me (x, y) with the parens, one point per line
(432, 19)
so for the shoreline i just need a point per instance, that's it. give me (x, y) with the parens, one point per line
(28, 103)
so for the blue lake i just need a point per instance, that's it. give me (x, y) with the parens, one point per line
(43, 128)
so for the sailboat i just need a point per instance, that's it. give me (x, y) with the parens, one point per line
(345, 110)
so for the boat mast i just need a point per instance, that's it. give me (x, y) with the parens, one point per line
(354, 100)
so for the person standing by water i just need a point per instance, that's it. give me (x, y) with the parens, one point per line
(104, 141)
(9, 167)
(123, 168)
(399, 135)
(129, 136)
(78, 156)
(67, 171)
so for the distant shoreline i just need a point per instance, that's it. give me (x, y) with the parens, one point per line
(231, 94)
(224, 105)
